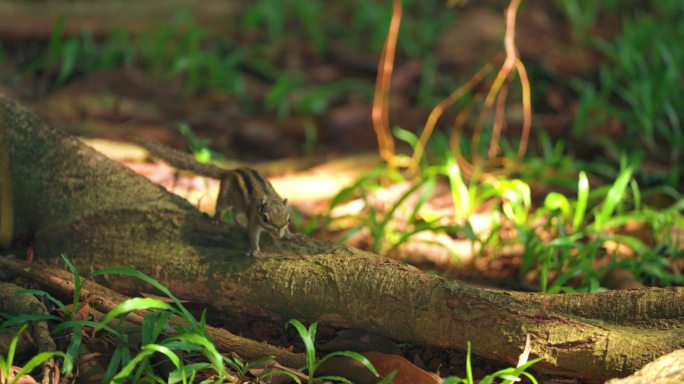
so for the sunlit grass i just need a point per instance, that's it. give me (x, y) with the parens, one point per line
(566, 241)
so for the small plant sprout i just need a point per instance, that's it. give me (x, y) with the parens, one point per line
(308, 336)
(507, 375)
(6, 362)
(241, 368)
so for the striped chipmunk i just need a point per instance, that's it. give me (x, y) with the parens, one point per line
(252, 199)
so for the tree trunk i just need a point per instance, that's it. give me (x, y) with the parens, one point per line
(74, 201)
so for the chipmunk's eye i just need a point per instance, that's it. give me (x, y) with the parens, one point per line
(289, 220)
(265, 217)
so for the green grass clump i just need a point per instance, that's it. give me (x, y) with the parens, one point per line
(168, 329)
(565, 238)
(126, 362)
(639, 83)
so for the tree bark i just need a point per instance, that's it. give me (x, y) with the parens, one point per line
(668, 369)
(74, 201)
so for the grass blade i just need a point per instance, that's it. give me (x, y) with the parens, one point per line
(135, 304)
(615, 195)
(582, 199)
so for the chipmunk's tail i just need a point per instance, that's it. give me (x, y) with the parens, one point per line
(180, 159)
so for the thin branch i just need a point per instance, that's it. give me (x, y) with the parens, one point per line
(380, 112)
(499, 122)
(511, 62)
(527, 107)
(438, 110)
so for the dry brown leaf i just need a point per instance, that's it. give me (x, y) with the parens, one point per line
(407, 372)
(26, 379)
(622, 279)
(385, 364)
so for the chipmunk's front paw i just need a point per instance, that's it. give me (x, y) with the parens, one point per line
(298, 237)
(294, 236)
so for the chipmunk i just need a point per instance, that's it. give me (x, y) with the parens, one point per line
(252, 199)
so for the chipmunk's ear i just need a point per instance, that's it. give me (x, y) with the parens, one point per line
(285, 201)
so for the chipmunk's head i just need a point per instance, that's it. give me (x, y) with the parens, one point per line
(274, 216)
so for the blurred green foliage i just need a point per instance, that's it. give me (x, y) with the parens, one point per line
(184, 51)
(639, 86)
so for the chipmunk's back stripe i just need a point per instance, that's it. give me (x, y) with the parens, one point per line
(260, 179)
(246, 182)
(237, 180)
